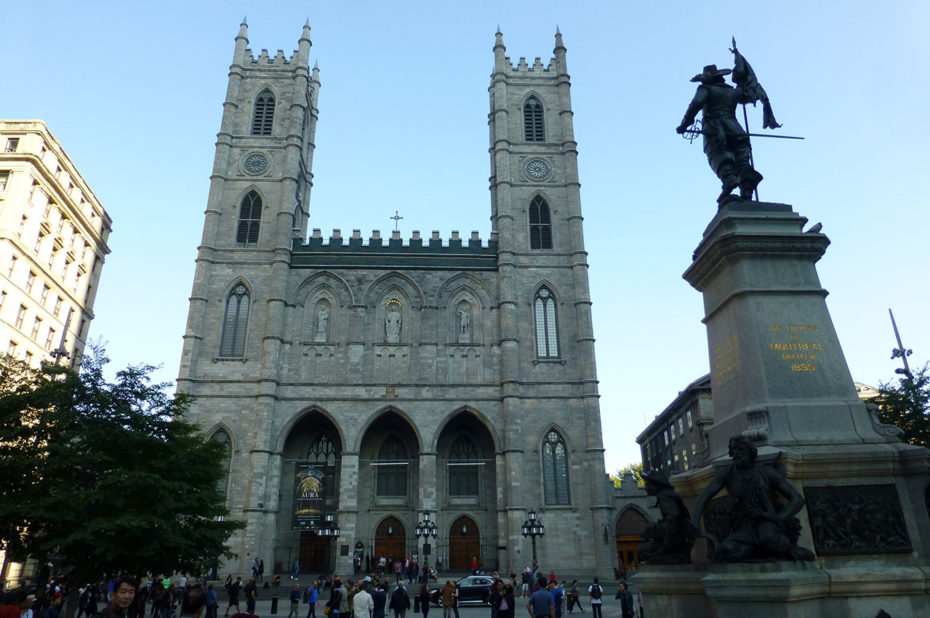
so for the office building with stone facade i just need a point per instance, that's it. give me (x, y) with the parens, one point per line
(53, 241)
(374, 380)
(675, 441)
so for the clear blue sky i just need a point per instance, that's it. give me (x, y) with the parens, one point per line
(134, 91)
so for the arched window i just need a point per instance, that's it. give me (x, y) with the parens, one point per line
(540, 224)
(250, 217)
(463, 467)
(547, 329)
(222, 484)
(533, 120)
(555, 469)
(232, 343)
(323, 455)
(263, 114)
(392, 468)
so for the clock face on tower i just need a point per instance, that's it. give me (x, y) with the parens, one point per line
(537, 169)
(255, 163)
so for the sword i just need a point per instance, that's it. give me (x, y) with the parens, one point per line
(690, 134)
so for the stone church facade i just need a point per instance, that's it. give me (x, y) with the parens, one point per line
(373, 380)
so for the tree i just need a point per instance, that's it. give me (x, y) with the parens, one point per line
(635, 468)
(102, 477)
(907, 405)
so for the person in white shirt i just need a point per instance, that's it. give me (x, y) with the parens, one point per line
(362, 603)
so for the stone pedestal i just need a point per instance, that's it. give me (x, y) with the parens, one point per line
(780, 377)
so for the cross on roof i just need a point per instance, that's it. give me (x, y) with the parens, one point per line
(396, 219)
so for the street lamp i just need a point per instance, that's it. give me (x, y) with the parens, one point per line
(426, 529)
(533, 528)
(329, 529)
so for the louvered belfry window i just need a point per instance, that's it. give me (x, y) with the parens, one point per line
(250, 216)
(263, 115)
(540, 224)
(463, 467)
(547, 331)
(533, 120)
(392, 468)
(232, 342)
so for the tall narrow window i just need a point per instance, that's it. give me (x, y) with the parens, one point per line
(250, 217)
(533, 120)
(555, 469)
(392, 468)
(263, 114)
(547, 330)
(4, 179)
(540, 224)
(12, 144)
(235, 320)
(222, 484)
(463, 467)
(323, 455)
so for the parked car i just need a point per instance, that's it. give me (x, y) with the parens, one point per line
(473, 590)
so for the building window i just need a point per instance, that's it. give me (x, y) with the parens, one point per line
(681, 427)
(4, 179)
(13, 261)
(463, 467)
(540, 224)
(533, 120)
(250, 216)
(12, 144)
(28, 358)
(392, 468)
(36, 325)
(222, 484)
(11, 348)
(50, 339)
(38, 246)
(555, 469)
(547, 331)
(58, 306)
(2, 298)
(264, 113)
(323, 455)
(22, 226)
(44, 295)
(20, 317)
(232, 342)
(672, 429)
(690, 420)
(30, 281)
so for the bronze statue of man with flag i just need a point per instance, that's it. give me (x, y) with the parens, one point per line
(726, 142)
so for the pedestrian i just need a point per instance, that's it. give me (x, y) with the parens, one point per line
(540, 604)
(232, 594)
(525, 582)
(337, 599)
(295, 601)
(261, 569)
(362, 602)
(639, 602)
(255, 567)
(400, 602)
(558, 594)
(378, 601)
(251, 594)
(193, 602)
(596, 592)
(313, 593)
(124, 593)
(448, 597)
(626, 601)
(296, 573)
(424, 600)
(211, 601)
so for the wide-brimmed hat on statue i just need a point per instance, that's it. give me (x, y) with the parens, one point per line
(656, 476)
(710, 72)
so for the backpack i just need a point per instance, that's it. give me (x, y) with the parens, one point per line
(596, 591)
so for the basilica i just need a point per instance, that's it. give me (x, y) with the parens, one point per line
(389, 396)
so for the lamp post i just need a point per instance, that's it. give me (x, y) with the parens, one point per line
(533, 528)
(329, 529)
(426, 529)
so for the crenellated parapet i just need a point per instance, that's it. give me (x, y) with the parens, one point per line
(394, 251)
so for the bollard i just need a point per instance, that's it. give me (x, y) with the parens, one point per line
(274, 604)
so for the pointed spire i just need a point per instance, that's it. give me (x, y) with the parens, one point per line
(559, 47)
(557, 29)
(307, 23)
(316, 65)
(498, 29)
(245, 22)
(500, 60)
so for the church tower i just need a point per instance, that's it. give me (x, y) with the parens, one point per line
(548, 374)
(390, 386)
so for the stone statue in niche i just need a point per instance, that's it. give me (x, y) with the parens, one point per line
(464, 323)
(392, 324)
(667, 541)
(322, 323)
(762, 526)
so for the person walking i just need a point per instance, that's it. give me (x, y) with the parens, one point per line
(210, 601)
(424, 600)
(124, 593)
(338, 603)
(362, 604)
(251, 595)
(558, 595)
(626, 601)
(295, 574)
(448, 597)
(574, 597)
(313, 593)
(193, 602)
(378, 601)
(232, 594)
(540, 604)
(295, 601)
(596, 592)
(400, 602)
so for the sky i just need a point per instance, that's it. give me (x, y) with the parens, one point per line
(134, 93)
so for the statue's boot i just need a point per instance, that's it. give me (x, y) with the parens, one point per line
(730, 182)
(749, 180)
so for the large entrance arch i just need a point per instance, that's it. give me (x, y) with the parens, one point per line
(464, 544)
(390, 539)
(630, 526)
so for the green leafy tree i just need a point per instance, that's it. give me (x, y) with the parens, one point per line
(102, 477)
(635, 468)
(907, 405)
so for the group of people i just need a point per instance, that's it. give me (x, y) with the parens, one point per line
(403, 568)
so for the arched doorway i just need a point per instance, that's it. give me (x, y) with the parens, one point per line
(464, 544)
(630, 526)
(390, 540)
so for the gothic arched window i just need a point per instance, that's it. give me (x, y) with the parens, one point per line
(533, 120)
(392, 468)
(555, 469)
(250, 218)
(222, 484)
(540, 224)
(463, 467)
(547, 329)
(323, 454)
(235, 319)
(263, 115)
